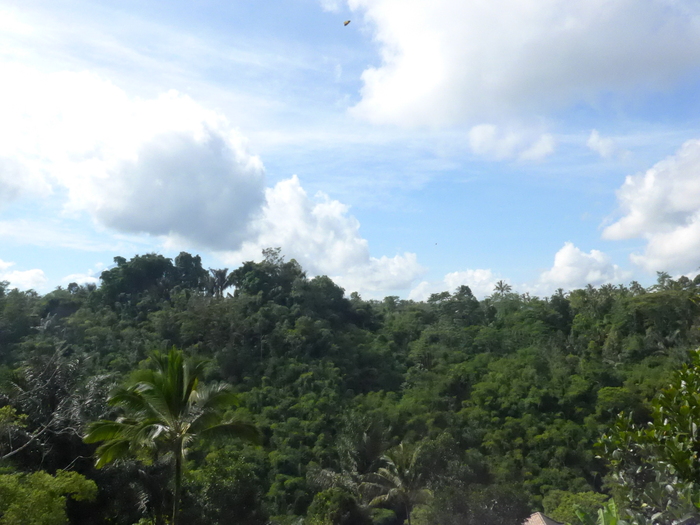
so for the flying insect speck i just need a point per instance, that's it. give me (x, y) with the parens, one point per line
(346, 22)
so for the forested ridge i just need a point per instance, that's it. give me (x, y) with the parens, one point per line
(470, 411)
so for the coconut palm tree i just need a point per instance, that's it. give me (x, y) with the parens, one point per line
(164, 409)
(219, 281)
(502, 288)
(400, 480)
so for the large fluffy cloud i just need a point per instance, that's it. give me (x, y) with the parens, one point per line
(574, 268)
(450, 61)
(662, 205)
(171, 168)
(163, 166)
(325, 239)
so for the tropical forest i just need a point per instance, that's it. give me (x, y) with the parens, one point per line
(171, 393)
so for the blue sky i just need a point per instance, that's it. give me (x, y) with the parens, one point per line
(426, 145)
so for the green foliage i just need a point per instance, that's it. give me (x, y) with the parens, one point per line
(39, 498)
(655, 466)
(565, 506)
(165, 409)
(505, 396)
(10, 418)
(336, 507)
(399, 481)
(607, 515)
(458, 504)
(228, 488)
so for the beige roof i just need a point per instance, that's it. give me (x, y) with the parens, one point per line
(540, 519)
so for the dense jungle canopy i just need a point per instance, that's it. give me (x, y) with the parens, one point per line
(449, 411)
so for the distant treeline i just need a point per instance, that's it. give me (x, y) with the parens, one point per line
(500, 401)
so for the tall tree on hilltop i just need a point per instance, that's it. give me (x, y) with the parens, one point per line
(219, 281)
(502, 288)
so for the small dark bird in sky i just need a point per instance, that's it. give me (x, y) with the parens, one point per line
(346, 22)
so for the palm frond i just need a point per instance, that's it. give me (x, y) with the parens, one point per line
(217, 396)
(112, 450)
(104, 430)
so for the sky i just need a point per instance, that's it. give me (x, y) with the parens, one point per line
(427, 144)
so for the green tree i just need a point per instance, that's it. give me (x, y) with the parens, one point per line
(150, 274)
(39, 498)
(565, 506)
(165, 409)
(609, 514)
(502, 288)
(336, 507)
(400, 480)
(655, 467)
(219, 281)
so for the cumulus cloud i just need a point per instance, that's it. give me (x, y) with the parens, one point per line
(34, 279)
(603, 146)
(481, 282)
(446, 62)
(165, 166)
(325, 239)
(574, 268)
(662, 205)
(171, 168)
(192, 187)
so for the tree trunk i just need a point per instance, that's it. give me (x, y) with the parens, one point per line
(178, 483)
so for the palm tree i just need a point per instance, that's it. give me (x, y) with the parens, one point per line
(502, 288)
(219, 280)
(165, 409)
(399, 480)
(360, 454)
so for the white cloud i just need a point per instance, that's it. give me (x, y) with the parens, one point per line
(10, 23)
(481, 282)
(325, 239)
(169, 167)
(604, 146)
(331, 5)
(165, 166)
(91, 276)
(492, 141)
(23, 279)
(81, 278)
(662, 205)
(574, 268)
(540, 149)
(446, 62)
(485, 139)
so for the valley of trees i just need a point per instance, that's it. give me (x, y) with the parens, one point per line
(262, 396)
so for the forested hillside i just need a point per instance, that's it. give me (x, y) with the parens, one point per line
(470, 411)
